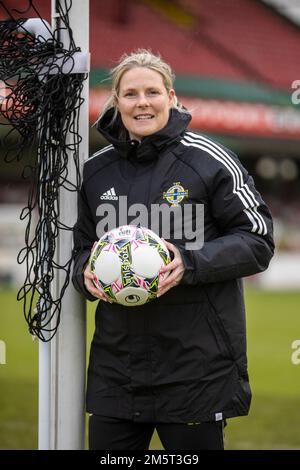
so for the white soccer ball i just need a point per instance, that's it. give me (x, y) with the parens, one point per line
(126, 262)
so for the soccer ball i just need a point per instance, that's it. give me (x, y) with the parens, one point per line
(126, 263)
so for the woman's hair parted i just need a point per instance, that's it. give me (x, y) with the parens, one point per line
(139, 58)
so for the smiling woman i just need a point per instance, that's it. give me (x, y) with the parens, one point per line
(143, 102)
(144, 80)
(177, 364)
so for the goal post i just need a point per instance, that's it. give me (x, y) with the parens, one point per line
(62, 361)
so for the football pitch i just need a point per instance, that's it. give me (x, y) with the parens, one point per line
(273, 323)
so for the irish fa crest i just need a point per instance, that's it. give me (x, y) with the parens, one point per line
(175, 194)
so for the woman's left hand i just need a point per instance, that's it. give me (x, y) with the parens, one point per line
(172, 273)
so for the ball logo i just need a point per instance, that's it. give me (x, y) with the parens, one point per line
(132, 299)
(124, 232)
(175, 194)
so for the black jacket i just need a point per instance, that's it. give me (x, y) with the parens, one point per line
(182, 357)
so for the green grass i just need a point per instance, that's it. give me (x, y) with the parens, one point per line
(273, 323)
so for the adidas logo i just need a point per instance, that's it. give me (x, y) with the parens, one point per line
(110, 195)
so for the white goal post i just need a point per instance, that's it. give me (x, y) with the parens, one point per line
(62, 361)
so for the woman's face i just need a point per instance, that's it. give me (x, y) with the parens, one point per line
(143, 102)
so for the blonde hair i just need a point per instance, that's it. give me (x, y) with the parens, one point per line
(139, 58)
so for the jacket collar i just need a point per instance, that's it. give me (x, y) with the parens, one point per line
(150, 146)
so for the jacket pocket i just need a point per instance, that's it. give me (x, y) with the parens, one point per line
(219, 332)
(218, 335)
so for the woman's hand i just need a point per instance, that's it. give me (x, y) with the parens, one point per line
(172, 273)
(89, 283)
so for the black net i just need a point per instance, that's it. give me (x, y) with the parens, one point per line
(40, 99)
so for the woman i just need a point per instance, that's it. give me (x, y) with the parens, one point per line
(177, 364)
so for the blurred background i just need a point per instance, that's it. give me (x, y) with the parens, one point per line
(237, 65)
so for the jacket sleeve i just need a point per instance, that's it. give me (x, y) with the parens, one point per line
(84, 236)
(245, 245)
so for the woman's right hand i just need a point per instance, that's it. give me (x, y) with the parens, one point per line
(89, 283)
